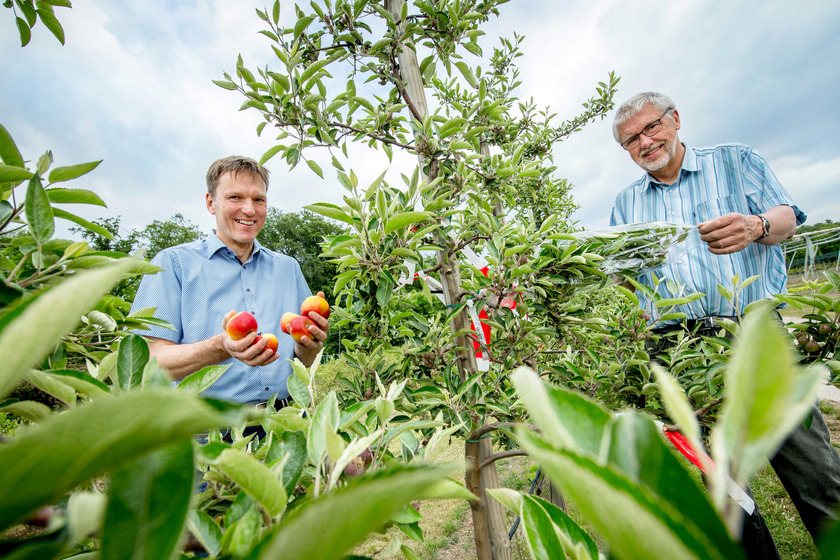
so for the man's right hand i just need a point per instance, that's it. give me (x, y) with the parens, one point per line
(244, 349)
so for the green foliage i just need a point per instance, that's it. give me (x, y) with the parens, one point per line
(27, 13)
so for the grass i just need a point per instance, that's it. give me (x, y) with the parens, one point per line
(792, 539)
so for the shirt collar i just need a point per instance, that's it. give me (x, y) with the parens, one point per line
(689, 165)
(214, 245)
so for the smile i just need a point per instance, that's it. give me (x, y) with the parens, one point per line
(246, 222)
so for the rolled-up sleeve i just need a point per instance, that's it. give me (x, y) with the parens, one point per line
(762, 188)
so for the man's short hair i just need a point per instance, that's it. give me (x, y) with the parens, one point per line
(234, 165)
(636, 105)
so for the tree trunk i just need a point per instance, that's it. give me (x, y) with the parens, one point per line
(488, 515)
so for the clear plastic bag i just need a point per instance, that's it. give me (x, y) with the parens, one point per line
(633, 249)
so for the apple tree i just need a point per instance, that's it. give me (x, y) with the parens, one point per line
(478, 223)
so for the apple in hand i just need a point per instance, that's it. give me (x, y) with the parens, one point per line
(272, 342)
(317, 304)
(241, 325)
(286, 319)
(299, 327)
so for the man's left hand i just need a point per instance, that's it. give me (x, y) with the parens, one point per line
(730, 233)
(310, 345)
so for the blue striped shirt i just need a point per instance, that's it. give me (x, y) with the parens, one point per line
(713, 182)
(201, 281)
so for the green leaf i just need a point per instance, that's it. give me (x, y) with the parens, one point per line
(768, 395)
(205, 530)
(298, 390)
(620, 510)
(44, 163)
(270, 153)
(29, 332)
(315, 167)
(81, 382)
(52, 385)
(11, 173)
(254, 478)
(90, 226)
(290, 445)
(148, 500)
(399, 221)
(74, 196)
(344, 518)
(56, 455)
(29, 410)
(24, 32)
(225, 84)
(133, 355)
(60, 174)
(199, 381)
(567, 419)
(39, 213)
(9, 153)
(467, 72)
(330, 211)
(51, 23)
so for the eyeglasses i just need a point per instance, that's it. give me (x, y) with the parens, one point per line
(651, 129)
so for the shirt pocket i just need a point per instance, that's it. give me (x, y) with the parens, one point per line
(717, 207)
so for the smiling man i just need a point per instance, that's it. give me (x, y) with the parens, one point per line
(202, 282)
(742, 213)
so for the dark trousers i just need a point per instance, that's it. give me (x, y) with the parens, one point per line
(807, 465)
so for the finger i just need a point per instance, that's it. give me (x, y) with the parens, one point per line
(319, 319)
(227, 318)
(322, 295)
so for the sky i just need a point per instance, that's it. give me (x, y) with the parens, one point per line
(132, 87)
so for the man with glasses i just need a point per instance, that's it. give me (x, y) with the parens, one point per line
(742, 213)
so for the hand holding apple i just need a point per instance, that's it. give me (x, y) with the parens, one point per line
(315, 304)
(243, 342)
(241, 325)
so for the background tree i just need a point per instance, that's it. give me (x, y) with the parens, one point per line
(299, 235)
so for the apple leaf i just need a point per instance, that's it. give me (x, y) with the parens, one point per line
(132, 356)
(330, 211)
(74, 196)
(291, 446)
(202, 379)
(345, 517)
(30, 331)
(255, 478)
(148, 500)
(39, 213)
(205, 530)
(54, 456)
(10, 173)
(9, 153)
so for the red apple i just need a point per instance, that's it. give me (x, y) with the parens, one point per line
(272, 342)
(286, 319)
(317, 304)
(299, 327)
(241, 325)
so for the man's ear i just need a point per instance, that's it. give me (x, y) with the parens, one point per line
(676, 119)
(208, 200)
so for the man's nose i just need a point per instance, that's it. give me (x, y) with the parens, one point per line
(645, 141)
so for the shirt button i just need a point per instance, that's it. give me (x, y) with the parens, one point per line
(247, 289)
(266, 388)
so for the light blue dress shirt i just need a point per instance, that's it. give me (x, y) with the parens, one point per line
(713, 182)
(201, 281)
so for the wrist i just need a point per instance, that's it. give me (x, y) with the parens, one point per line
(763, 227)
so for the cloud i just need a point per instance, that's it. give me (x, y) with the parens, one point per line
(133, 87)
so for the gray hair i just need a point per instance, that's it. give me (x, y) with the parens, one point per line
(636, 105)
(234, 165)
